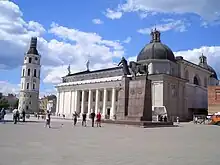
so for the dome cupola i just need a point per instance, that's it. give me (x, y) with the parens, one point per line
(155, 49)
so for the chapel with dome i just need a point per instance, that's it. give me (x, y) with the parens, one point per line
(178, 86)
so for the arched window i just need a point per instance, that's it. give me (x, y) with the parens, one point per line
(34, 86)
(186, 75)
(29, 72)
(35, 73)
(30, 59)
(27, 85)
(195, 80)
(23, 72)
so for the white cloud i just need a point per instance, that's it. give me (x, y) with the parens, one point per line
(211, 52)
(113, 14)
(207, 9)
(127, 40)
(7, 87)
(97, 21)
(74, 46)
(36, 27)
(177, 25)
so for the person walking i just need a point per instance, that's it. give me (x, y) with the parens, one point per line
(75, 115)
(48, 119)
(93, 118)
(15, 115)
(98, 119)
(2, 114)
(23, 115)
(84, 119)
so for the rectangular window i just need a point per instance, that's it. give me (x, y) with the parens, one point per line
(217, 94)
(100, 96)
(87, 96)
(93, 96)
(80, 96)
(23, 71)
(27, 85)
(33, 86)
(108, 95)
(116, 95)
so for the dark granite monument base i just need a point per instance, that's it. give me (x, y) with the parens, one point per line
(144, 124)
(134, 100)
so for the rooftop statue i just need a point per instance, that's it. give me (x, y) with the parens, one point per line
(68, 69)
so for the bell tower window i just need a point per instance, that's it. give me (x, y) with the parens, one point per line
(30, 59)
(27, 85)
(35, 73)
(29, 72)
(23, 71)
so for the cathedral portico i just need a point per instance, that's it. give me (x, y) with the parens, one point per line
(87, 98)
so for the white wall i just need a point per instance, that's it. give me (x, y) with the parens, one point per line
(157, 93)
(163, 66)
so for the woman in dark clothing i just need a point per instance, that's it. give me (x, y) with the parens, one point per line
(93, 118)
(75, 115)
(84, 119)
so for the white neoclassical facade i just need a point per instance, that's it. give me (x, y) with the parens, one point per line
(30, 79)
(177, 85)
(98, 95)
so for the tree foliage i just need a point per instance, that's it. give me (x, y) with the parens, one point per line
(16, 104)
(4, 103)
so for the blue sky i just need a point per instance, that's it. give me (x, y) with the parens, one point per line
(101, 30)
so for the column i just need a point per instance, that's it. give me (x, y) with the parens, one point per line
(89, 103)
(96, 101)
(104, 103)
(58, 102)
(76, 108)
(63, 112)
(73, 102)
(70, 112)
(112, 112)
(82, 102)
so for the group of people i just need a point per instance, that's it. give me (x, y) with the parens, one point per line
(92, 116)
(16, 115)
(162, 118)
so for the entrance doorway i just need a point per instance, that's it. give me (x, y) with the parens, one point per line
(108, 113)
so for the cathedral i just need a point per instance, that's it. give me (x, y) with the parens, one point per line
(178, 86)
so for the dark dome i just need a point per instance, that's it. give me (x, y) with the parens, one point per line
(214, 75)
(156, 50)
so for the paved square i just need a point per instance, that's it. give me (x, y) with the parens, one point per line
(32, 144)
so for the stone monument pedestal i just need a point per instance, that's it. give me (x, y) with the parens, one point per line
(134, 100)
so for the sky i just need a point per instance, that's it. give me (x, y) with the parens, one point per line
(101, 31)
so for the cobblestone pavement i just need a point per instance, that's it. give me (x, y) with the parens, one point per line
(32, 144)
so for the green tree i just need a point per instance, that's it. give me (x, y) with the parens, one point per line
(16, 104)
(4, 103)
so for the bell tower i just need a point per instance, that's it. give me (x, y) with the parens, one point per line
(30, 80)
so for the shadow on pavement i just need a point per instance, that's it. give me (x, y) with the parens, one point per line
(27, 121)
